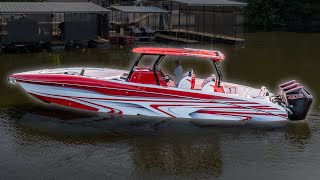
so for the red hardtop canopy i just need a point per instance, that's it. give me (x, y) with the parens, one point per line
(214, 55)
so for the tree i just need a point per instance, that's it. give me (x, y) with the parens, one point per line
(279, 13)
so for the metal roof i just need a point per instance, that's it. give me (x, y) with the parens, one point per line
(210, 2)
(51, 7)
(138, 9)
(214, 55)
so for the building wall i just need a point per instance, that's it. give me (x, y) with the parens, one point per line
(94, 1)
(69, 0)
(104, 3)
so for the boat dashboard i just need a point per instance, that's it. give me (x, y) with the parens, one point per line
(145, 75)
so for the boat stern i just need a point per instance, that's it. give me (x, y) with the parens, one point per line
(295, 99)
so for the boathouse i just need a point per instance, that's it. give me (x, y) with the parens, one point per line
(140, 22)
(206, 20)
(44, 22)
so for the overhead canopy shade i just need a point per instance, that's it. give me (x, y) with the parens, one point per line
(210, 3)
(138, 9)
(214, 55)
(51, 7)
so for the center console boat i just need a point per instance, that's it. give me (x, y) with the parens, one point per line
(149, 91)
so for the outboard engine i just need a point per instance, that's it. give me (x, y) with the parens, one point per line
(295, 99)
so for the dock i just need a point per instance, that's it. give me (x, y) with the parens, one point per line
(200, 36)
(121, 39)
(172, 38)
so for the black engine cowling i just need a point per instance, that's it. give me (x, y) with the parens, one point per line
(295, 99)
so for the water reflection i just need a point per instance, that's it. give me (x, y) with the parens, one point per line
(298, 132)
(157, 147)
(184, 155)
(164, 153)
(56, 59)
(73, 122)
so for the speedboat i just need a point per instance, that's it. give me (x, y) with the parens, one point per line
(149, 91)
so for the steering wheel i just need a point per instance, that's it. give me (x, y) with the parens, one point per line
(167, 78)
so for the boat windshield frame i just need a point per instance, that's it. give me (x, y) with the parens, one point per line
(159, 60)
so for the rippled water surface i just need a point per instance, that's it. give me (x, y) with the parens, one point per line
(50, 142)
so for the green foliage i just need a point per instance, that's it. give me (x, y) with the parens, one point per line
(271, 13)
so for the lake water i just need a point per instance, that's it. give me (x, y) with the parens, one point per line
(50, 142)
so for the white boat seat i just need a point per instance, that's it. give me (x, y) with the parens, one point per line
(185, 83)
(231, 89)
(208, 87)
(246, 91)
(258, 92)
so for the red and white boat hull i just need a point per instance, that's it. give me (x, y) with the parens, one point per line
(149, 100)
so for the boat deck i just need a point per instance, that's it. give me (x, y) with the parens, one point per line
(89, 72)
(103, 72)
